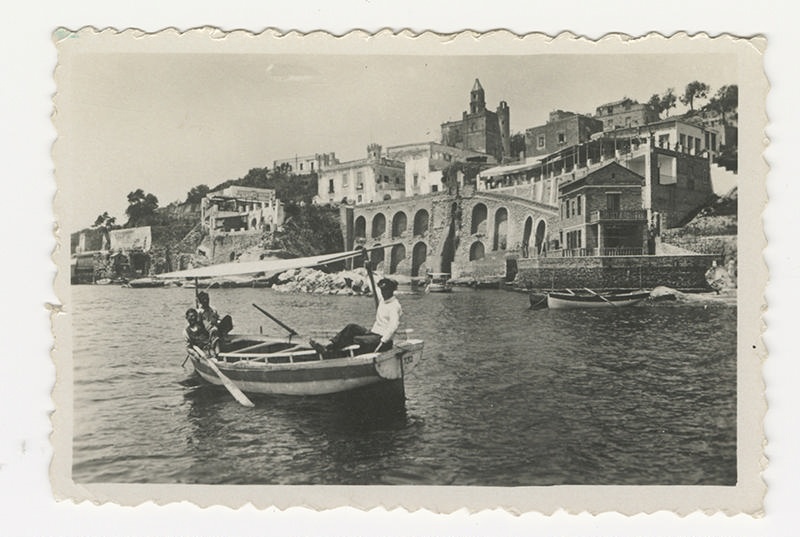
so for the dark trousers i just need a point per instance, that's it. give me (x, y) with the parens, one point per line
(354, 334)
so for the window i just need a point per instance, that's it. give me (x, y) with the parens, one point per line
(610, 110)
(697, 145)
(396, 179)
(663, 141)
(562, 138)
(713, 141)
(434, 188)
(627, 121)
(683, 140)
(360, 197)
(612, 201)
(301, 166)
(690, 143)
(344, 180)
(579, 205)
(360, 179)
(416, 179)
(330, 186)
(540, 141)
(312, 166)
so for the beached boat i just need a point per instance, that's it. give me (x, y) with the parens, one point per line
(259, 364)
(140, 283)
(591, 299)
(438, 282)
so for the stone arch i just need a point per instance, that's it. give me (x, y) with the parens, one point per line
(399, 224)
(253, 223)
(476, 251)
(361, 227)
(541, 233)
(397, 255)
(421, 221)
(526, 236)
(378, 225)
(377, 257)
(479, 216)
(419, 256)
(500, 233)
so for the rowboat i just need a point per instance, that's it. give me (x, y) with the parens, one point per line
(269, 365)
(591, 299)
(438, 282)
(264, 365)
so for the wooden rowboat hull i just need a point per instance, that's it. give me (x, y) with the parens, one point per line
(317, 377)
(565, 300)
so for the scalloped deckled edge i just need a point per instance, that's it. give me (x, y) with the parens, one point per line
(746, 497)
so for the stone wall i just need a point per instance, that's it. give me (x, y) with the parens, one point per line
(683, 272)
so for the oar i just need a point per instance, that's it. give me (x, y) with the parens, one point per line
(601, 296)
(292, 331)
(368, 266)
(228, 383)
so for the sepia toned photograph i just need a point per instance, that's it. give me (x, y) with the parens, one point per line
(399, 268)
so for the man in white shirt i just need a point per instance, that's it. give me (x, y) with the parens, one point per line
(379, 337)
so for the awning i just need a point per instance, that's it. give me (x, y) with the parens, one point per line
(509, 170)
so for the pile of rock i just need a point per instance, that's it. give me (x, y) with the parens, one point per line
(308, 280)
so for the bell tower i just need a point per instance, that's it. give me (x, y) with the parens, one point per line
(477, 99)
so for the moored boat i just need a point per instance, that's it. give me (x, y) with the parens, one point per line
(438, 282)
(591, 299)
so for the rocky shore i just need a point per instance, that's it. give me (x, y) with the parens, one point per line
(347, 282)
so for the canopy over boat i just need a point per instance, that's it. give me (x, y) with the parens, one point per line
(266, 266)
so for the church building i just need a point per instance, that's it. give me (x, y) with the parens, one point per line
(480, 129)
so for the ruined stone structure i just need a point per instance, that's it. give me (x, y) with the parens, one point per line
(480, 129)
(625, 113)
(468, 235)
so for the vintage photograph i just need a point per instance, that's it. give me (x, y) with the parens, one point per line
(302, 262)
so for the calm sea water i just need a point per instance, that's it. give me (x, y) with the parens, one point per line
(504, 396)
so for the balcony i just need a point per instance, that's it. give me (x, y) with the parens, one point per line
(617, 216)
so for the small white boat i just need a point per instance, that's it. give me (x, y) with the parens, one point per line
(438, 282)
(592, 299)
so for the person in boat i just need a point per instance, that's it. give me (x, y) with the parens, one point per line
(217, 328)
(379, 337)
(195, 334)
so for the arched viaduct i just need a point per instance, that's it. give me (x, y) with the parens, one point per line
(471, 235)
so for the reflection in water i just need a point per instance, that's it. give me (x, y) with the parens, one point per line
(504, 396)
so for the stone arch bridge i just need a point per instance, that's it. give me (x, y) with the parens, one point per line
(469, 235)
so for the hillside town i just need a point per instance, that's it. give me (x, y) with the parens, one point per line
(596, 200)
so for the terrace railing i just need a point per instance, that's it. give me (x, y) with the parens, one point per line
(617, 216)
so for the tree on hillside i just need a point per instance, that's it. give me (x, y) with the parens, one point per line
(517, 144)
(105, 220)
(725, 101)
(308, 230)
(141, 208)
(694, 90)
(470, 171)
(662, 103)
(197, 193)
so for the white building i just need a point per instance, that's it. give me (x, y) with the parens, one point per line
(424, 163)
(375, 178)
(239, 209)
(304, 164)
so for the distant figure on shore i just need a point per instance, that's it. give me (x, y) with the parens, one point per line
(195, 334)
(379, 337)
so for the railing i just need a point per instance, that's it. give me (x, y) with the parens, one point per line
(593, 252)
(631, 216)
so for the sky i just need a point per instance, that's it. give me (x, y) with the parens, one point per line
(168, 122)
